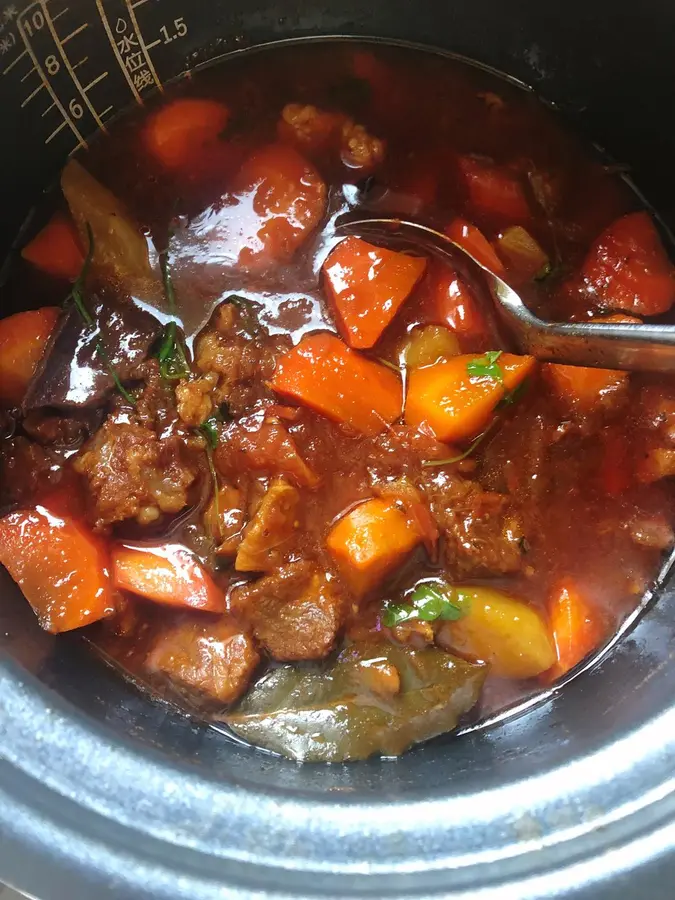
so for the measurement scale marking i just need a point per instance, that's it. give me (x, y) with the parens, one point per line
(49, 108)
(113, 44)
(59, 14)
(30, 96)
(95, 81)
(67, 120)
(74, 33)
(134, 22)
(80, 63)
(14, 62)
(57, 130)
(28, 73)
(71, 71)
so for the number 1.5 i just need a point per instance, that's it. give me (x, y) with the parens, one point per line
(180, 30)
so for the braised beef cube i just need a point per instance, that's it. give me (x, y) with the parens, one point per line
(216, 658)
(295, 613)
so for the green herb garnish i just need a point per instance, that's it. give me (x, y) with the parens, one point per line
(209, 430)
(486, 366)
(429, 602)
(170, 352)
(248, 314)
(76, 295)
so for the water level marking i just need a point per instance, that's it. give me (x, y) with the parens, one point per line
(66, 118)
(134, 22)
(74, 33)
(14, 62)
(71, 71)
(30, 96)
(58, 129)
(94, 82)
(113, 44)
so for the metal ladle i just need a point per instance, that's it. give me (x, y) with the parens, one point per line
(644, 348)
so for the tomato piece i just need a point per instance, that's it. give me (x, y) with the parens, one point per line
(281, 200)
(60, 566)
(452, 303)
(493, 190)
(584, 389)
(23, 338)
(474, 242)
(169, 574)
(178, 132)
(367, 286)
(627, 268)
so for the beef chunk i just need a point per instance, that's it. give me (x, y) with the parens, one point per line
(132, 474)
(268, 536)
(61, 432)
(242, 354)
(482, 533)
(217, 659)
(261, 442)
(26, 473)
(295, 613)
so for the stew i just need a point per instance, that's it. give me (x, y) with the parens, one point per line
(298, 482)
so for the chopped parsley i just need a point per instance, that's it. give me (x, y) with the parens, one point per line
(170, 349)
(429, 602)
(486, 366)
(209, 430)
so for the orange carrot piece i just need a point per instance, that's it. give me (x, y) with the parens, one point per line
(368, 285)
(324, 374)
(61, 567)
(177, 133)
(369, 542)
(493, 190)
(455, 405)
(585, 389)
(56, 249)
(23, 338)
(576, 628)
(169, 574)
(474, 242)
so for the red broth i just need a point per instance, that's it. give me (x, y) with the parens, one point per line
(412, 528)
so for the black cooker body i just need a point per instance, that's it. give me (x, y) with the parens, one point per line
(106, 794)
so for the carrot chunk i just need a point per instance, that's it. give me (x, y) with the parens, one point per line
(584, 389)
(627, 268)
(56, 249)
(61, 567)
(177, 133)
(23, 338)
(368, 285)
(324, 374)
(576, 627)
(369, 542)
(493, 190)
(454, 400)
(169, 574)
(474, 242)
